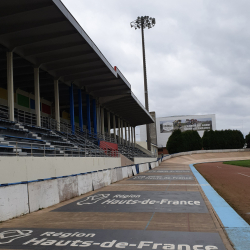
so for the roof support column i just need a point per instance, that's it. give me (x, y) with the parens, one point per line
(94, 116)
(122, 132)
(129, 142)
(98, 117)
(72, 113)
(125, 130)
(88, 114)
(80, 109)
(108, 118)
(102, 123)
(134, 136)
(114, 127)
(57, 105)
(37, 97)
(119, 130)
(10, 85)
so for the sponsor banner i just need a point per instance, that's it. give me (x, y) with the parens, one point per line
(169, 171)
(186, 124)
(143, 201)
(108, 239)
(162, 178)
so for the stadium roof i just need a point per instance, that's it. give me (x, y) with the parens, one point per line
(43, 33)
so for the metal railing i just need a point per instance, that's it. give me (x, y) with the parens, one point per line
(20, 116)
(4, 112)
(24, 117)
(17, 148)
(89, 139)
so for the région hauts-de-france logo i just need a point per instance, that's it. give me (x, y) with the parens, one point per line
(11, 235)
(93, 199)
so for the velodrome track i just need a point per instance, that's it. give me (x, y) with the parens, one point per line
(170, 207)
(210, 157)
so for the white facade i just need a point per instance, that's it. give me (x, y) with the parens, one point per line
(165, 126)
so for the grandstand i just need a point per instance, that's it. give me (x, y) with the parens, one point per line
(59, 96)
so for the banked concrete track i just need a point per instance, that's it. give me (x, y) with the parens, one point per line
(163, 208)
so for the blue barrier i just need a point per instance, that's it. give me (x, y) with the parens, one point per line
(237, 228)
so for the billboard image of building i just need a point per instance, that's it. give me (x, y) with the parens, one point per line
(186, 124)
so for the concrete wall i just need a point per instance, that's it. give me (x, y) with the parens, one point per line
(143, 144)
(19, 199)
(14, 201)
(17, 169)
(42, 194)
(138, 160)
(152, 129)
(125, 161)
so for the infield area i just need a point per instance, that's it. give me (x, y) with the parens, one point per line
(232, 183)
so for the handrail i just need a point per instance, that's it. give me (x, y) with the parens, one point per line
(39, 149)
(4, 112)
(24, 117)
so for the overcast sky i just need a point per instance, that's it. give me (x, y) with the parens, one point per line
(198, 53)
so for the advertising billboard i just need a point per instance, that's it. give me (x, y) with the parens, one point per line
(166, 125)
(199, 124)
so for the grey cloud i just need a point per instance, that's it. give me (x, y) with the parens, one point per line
(198, 54)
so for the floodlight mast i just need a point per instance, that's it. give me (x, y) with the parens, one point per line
(142, 23)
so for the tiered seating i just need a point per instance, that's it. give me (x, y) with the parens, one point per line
(90, 147)
(14, 139)
(36, 129)
(7, 123)
(139, 153)
(4, 112)
(27, 139)
(131, 152)
(12, 131)
(32, 140)
(37, 141)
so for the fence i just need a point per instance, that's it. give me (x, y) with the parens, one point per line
(16, 148)
(28, 118)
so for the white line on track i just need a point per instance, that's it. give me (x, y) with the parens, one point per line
(161, 185)
(244, 174)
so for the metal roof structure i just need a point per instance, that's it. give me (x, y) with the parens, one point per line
(44, 34)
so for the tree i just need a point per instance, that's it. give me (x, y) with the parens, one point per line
(247, 140)
(191, 140)
(184, 141)
(174, 144)
(223, 139)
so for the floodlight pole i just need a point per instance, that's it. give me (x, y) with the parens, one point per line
(141, 23)
(144, 70)
(145, 85)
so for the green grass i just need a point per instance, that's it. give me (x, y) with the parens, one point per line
(245, 163)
